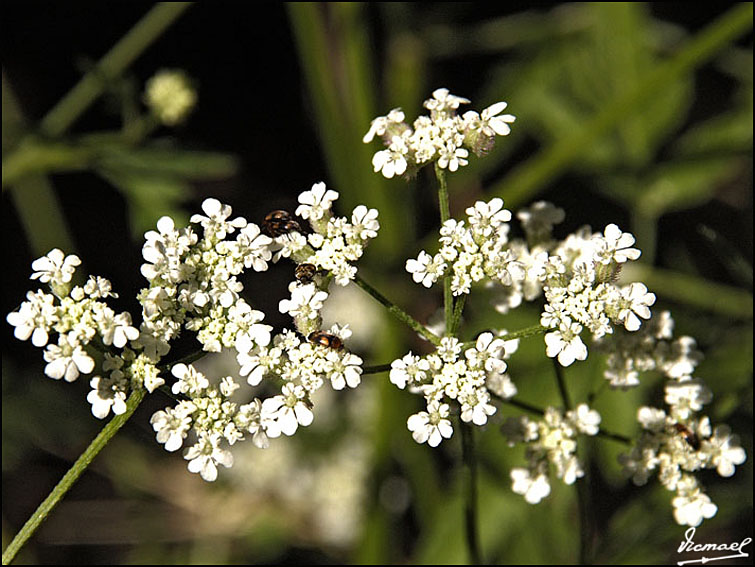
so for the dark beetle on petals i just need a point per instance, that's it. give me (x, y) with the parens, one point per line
(325, 339)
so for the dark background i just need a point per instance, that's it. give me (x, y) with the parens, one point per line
(252, 104)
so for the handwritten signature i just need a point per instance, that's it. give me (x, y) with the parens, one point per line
(689, 545)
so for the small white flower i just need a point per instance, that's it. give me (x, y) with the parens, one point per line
(190, 380)
(566, 344)
(392, 161)
(172, 425)
(108, 394)
(451, 157)
(687, 397)
(587, 420)
(533, 489)
(726, 450)
(487, 217)
(365, 223)
(692, 505)
(206, 454)
(493, 122)
(34, 318)
(380, 125)
(284, 413)
(410, 369)
(431, 426)
(254, 247)
(215, 224)
(55, 267)
(425, 269)
(615, 245)
(444, 100)
(635, 302)
(67, 359)
(306, 301)
(315, 202)
(118, 330)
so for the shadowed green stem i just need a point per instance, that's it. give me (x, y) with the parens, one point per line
(397, 312)
(73, 474)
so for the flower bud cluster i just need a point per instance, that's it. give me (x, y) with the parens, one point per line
(443, 137)
(454, 373)
(170, 96)
(551, 441)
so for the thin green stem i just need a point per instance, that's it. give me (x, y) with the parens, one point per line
(377, 369)
(458, 310)
(445, 214)
(73, 474)
(397, 312)
(469, 458)
(559, 371)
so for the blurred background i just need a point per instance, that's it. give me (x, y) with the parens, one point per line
(638, 114)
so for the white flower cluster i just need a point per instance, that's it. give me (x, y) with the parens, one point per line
(576, 275)
(550, 441)
(678, 442)
(443, 137)
(82, 321)
(447, 375)
(471, 251)
(194, 284)
(581, 294)
(335, 243)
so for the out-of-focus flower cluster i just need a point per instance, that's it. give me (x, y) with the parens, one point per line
(549, 441)
(170, 96)
(443, 137)
(194, 286)
(679, 441)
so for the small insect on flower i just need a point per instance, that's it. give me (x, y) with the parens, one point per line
(325, 339)
(277, 223)
(305, 273)
(688, 435)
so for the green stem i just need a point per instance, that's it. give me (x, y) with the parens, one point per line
(470, 488)
(397, 312)
(559, 370)
(377, 369)
(445, 214)
(458, 309)
(70, 478)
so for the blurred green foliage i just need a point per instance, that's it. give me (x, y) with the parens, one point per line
(611, 117)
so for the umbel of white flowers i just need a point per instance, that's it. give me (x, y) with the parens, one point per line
(194, 286)
(443, 137)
